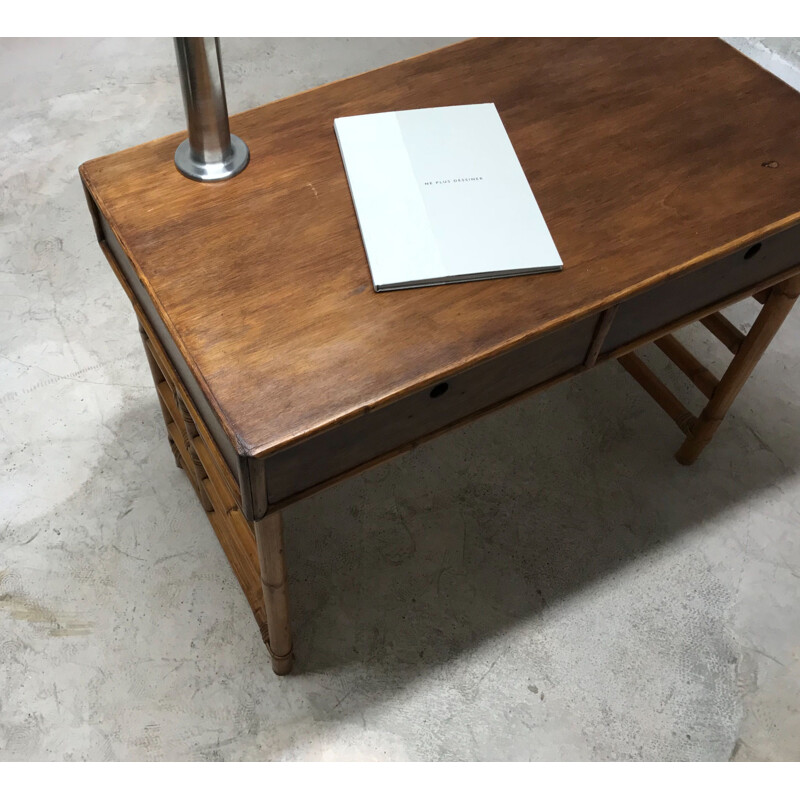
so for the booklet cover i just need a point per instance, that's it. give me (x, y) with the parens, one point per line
(441, 197)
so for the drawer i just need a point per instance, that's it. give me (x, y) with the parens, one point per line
(390, 427)
(668, 302)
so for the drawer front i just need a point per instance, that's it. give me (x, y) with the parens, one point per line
(389, 428)
(670, 301)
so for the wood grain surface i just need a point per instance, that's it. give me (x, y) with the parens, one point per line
(645, 157)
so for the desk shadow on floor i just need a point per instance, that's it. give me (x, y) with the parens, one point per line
(538, 542)
(503, 523)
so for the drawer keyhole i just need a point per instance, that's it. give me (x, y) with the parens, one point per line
(439, 389)
(752, 250)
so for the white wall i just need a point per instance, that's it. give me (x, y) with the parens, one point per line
(781, 56)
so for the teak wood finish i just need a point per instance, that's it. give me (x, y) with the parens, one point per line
(279, 370)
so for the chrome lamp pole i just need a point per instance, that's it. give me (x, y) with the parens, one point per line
(211, 153)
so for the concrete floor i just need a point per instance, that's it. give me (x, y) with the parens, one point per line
(546, 583)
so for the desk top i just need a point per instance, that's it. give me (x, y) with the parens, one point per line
(645, 158)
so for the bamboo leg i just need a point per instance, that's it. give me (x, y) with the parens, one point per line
(776, 308)
(278, 638)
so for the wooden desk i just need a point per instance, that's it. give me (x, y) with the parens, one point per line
(668, 172)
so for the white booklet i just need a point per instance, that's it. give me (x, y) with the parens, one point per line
(441, 197)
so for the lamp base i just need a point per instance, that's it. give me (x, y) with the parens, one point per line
(212, 170)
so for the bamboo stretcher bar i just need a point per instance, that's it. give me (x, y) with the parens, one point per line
(696, 372)
(724, 330)
(645, 377)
